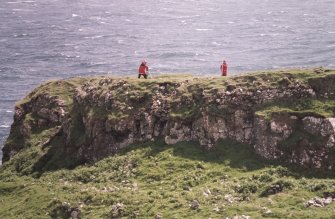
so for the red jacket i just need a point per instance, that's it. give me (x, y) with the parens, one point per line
(143, 69)
(224, 69)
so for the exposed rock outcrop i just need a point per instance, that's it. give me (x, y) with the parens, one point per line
(281, 115)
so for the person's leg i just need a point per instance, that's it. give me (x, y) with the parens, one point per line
(145, 76)
(139, 75)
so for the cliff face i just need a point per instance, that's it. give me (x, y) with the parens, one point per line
(286, 116)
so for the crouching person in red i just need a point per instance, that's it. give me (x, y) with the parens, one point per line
(224, 68)
(143, 70)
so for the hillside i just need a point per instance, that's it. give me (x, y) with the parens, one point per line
(259, 145)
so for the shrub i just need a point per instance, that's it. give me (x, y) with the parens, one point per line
(277, 187)
(246, 188)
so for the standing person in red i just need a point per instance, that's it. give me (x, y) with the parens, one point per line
(143, 70)
(224, 68)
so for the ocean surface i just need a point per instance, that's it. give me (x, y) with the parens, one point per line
(50, 39)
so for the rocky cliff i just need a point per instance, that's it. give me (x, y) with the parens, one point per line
(284, 115)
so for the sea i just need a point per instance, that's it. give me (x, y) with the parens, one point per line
(42, 40)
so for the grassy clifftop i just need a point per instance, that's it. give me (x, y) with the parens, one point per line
(46, 174)
(184, 85)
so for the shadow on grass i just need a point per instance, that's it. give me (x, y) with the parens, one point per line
(226, 152)
(232, 154)
(57, 157)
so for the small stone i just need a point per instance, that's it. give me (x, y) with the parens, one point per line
(117, 208)
(241, 217)
(328, 200)
(229, 198)
(158, 216)
(265, 210)
(194, 204)
(135, 187)
(74, 214)
(319, 202)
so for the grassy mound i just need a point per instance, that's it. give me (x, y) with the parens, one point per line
(157, 179)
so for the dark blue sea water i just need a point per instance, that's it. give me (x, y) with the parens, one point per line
(48, 39)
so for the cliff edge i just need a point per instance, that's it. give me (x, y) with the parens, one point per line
(283, 115)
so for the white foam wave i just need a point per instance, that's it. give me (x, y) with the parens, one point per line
(4, 126)
(330, 46)
(203, 29)
(187, 16)
(94, 37)
(9, 111)
(216, 43)
(20, 9)
(20, 2)
(20, 35)
(75, 15)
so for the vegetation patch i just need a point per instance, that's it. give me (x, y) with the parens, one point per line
(186, 112)
(299, 107)
(97, 113)
(157, 179)
(301, 137)
(62, 89)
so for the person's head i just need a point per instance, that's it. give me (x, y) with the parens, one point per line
(144, 62)
(224, 61)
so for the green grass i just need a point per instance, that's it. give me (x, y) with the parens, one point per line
(185, 112)
(302, 107)
(156, 178)
(62, 89)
